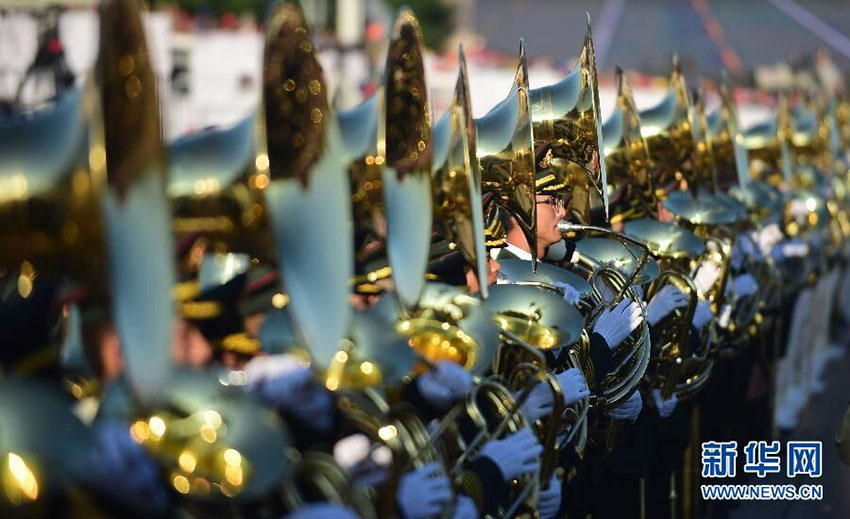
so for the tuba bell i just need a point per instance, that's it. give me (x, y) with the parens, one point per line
(505, 149)
(456, 179)
(566, 115)
(389, 149)
(96, 204)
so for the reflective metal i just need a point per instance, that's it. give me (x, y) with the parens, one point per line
(505, 150)
(307, 195)
(566, 115)
(457, 179)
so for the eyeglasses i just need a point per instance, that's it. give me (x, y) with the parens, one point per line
(556, 201)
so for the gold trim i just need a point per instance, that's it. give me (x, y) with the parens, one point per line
(186, 290)
(200, 309)
(241, 343)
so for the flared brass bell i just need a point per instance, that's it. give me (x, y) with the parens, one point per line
(730, 155)
(213, 440)
(627, 156)
(518, 271)
(83, 195)
(373, 355)
(39, 465)
(767, 144)
(536, 315)
(505, 150)
(456, 179)
(448, 324)
(389, 150)
(566, 115)
(667, 128)
(307, 196)
(666, 240)
(624, 257)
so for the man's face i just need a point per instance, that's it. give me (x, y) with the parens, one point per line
(550, 211)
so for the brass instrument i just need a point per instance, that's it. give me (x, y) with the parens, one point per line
(457, 179)
(566, 115)
(675, 368)
(215, 184)
(505, 149)
(627, 157)
(305, 188)
(94, 208)
(540, 334)
(614, 266)
(389, 150)
(629, 168)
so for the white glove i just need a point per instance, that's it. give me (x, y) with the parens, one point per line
(296, 392)
(515, 455)
(702, 314)
(663, 302)
(423, 493)
(706, 276)
(665, 407)
(615, 324)
(549, 501)
(571, 295)
(628, 410)
(465, 508)
(744, 285)
(323, 511)
(573, 385)
(539, 403)
(444, 384)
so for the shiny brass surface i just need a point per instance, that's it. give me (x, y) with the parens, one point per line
(566, 115)
(665, 239)
(448, 324)
(625, 257)
(519, 271)
(374, 355)
(669, 133)
(505, 150)
(38, 464)
(536, 315)
(627, 156)
(307, 194)
(457, 179)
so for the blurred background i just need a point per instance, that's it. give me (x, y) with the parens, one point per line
(208, 53)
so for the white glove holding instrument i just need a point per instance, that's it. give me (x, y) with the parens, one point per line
(615, 324)
(515, 455)
(571, 295)
(423, 493)
(628, 410)
(573, 385)
(549, 501)
(663, 302)
(539, 402)
(702, 314)
(706, 276)
(445, 384)
(665, 407)
(287, 384)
